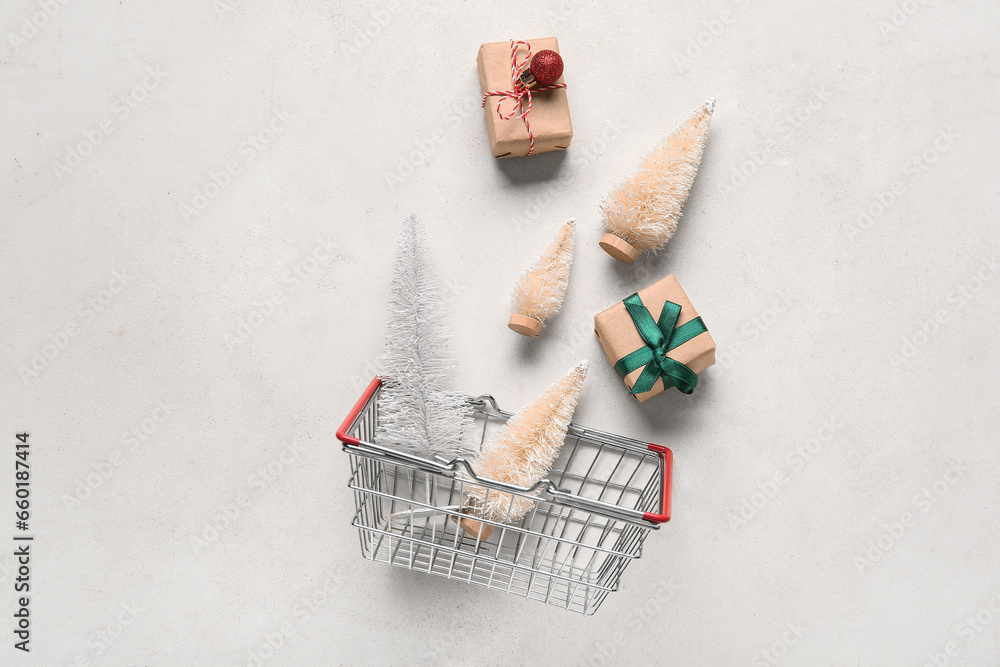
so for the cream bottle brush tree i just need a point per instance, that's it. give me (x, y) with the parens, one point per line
(539, 294)
(417, 414)
(521, 453)
(643, 211)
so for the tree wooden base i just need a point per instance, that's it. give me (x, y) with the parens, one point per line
(620, 249)
(524, 325)
(472, 527)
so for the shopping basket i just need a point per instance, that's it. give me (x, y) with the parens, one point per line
(590, 516)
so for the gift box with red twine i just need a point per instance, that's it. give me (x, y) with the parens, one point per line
(524, 96)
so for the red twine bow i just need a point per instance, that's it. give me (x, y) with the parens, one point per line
(519, 93)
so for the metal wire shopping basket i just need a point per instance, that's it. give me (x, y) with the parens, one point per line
(590, 516)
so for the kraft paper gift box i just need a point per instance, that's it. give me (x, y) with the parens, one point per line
(549, 116)
(679, 345)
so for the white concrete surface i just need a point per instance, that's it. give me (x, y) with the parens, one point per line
(830, 109)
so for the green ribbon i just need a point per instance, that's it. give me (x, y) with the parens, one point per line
(661, 337)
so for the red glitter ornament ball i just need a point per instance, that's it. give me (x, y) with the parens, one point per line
(546, 67)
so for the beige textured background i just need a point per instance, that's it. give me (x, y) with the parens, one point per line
(187, 483)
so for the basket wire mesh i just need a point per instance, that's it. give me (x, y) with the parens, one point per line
(588, 520)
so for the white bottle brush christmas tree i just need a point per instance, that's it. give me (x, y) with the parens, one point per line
(644, 210)
(540, 292)
(521, 453)
(417, 414)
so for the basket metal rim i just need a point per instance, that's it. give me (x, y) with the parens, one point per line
(487, 404)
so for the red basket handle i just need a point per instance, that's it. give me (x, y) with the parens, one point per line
(666, 472)
(355, 411)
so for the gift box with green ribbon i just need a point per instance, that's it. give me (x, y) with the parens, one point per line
(655, 340)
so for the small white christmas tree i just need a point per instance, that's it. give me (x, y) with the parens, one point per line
(522, 452)
(539, 294)
(416, 413)
(644, 210)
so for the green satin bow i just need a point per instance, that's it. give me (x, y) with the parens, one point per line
(661, 336)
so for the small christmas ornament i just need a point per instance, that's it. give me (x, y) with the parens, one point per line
(521, 453)
(540, 293)
(643, 211)
(544, 70)
(416, 414)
